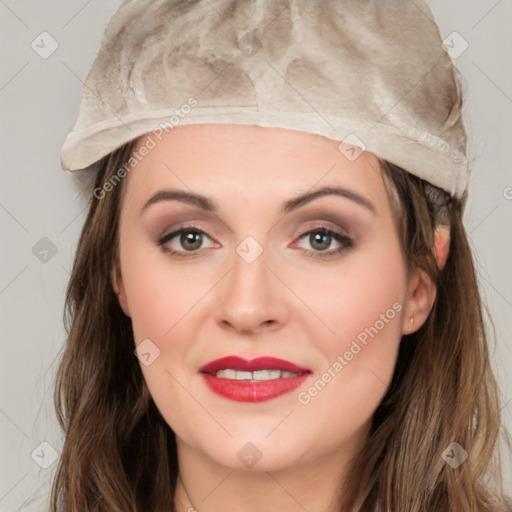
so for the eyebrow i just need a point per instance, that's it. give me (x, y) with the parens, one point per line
(208, 205)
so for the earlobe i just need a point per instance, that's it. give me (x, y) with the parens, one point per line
(420, 299)
(118, 287)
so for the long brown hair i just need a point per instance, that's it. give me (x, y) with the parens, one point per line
(443, 390)
(119, 454)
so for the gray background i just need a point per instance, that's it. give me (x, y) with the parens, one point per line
(39, 100)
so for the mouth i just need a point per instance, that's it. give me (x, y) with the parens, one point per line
(255, 380)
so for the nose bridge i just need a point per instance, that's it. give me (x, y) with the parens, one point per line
(251, 297)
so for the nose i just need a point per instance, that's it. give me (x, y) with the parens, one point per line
(252, 298)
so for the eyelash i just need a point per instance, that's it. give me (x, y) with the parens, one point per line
(346, 242)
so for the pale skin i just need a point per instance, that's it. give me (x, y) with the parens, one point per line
(286, 304)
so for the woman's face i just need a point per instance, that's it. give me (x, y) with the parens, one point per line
(261, 279)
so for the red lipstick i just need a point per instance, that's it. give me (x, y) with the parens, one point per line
(256, 387)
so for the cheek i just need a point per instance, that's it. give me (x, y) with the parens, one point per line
(168, 305)
(162, 303)
(352, 296)
(159, 293)
(362, 306)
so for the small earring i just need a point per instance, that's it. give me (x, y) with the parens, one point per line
(412, 320)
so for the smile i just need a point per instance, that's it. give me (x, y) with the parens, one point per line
(256, 380)
(257, 375)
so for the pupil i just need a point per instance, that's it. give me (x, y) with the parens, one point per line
(317, 237)
(191, 237)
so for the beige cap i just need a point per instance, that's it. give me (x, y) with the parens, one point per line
(371, 73)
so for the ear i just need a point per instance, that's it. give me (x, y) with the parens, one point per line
(118, 286)
(421, 295)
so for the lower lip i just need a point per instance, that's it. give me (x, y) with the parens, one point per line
(252, 391)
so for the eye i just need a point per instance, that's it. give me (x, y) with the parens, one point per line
(321, 238)
(189, 238)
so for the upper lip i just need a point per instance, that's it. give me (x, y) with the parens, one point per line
(250, 365)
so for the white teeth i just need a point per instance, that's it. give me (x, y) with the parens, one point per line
(227, 374)
(265, 374)
(256, 375)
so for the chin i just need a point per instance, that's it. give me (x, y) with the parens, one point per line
(252, 453)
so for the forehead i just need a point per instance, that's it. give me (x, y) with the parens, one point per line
(230, 161)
